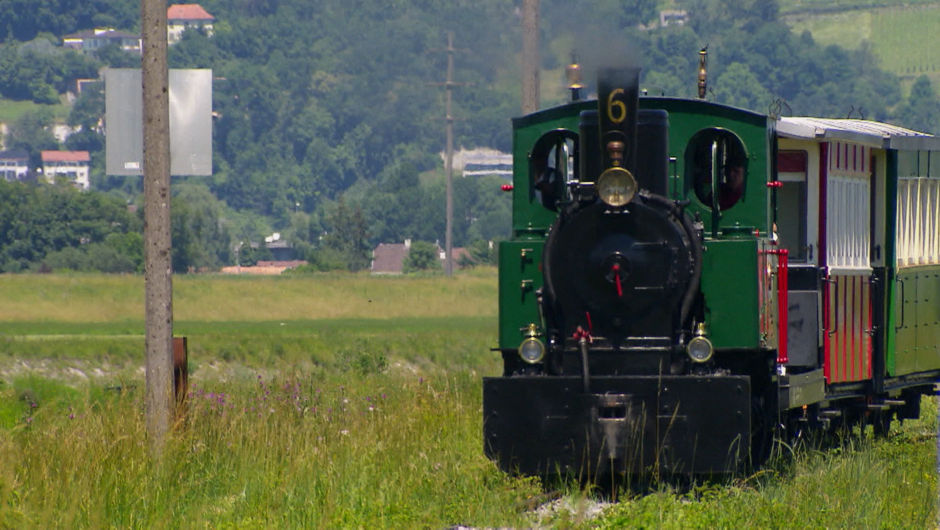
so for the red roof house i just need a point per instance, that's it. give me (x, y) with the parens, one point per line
(181, 17)
(72, 165)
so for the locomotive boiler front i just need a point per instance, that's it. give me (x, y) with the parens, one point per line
(620, 262)
(621, 275)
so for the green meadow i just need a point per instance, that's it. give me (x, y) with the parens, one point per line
(345, 401)
(903, 36)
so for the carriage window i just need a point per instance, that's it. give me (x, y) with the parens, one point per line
(791, 203)
(552, 165)
(716, 160)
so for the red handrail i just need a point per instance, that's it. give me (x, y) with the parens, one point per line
(783, 306)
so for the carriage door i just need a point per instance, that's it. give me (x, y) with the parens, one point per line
(795, 214)
(847, 313)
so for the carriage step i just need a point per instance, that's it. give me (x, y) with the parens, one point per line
(830, 413)
(887, 404)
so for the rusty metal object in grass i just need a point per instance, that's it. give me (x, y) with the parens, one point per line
(180, 374)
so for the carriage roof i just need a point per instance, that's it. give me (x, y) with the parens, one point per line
(871, 133)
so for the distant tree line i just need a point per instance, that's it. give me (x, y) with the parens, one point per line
(331, 134)
(57, 227)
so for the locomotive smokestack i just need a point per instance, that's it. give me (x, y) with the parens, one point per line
(702, 72)
(617, 103)
(573, 73)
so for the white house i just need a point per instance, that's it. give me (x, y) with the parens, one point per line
(14, 164)
(482, 161)
(92, 39)
(181, 17)
(72, 165)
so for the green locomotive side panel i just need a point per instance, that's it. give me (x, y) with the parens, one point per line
(731, 289)
(916, 321)
(529, 216)
(689, 117)
(520, 276)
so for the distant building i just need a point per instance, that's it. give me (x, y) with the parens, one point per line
(264, 267)
(14, 164)
(72, 165)
(281, 250)
(673, 17)
(389, 258)
(181, 17)
(482, 161)
(92, 39)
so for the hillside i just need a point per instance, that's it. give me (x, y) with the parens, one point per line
(902, 37)
(322, 130)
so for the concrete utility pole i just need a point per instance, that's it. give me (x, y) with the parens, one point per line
(449, 157)
(158, 276)
(449, 236)
(531, 58)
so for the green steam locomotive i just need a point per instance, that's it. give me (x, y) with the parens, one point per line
(687, 280)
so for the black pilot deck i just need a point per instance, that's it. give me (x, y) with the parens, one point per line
(628, 424)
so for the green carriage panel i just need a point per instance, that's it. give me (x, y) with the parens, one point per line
(927, 318)
(916, 321)
(520, 276)
(904, 352)
(732, 293)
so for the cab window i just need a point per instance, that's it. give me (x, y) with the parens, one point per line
(552, 164)
(716, 160)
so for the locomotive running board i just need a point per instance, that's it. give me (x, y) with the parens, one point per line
(801, 389)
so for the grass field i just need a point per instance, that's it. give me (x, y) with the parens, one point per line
(790, 6)
(11, 110)
(312, 407)
(903, 37)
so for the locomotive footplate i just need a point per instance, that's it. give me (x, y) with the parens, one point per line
(628, 424)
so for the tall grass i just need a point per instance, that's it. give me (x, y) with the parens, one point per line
(861, 482)
(291, 452)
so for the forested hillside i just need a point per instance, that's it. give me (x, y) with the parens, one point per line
(338, 98)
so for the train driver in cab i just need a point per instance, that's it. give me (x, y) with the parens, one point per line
(731, 187)
(731, 182)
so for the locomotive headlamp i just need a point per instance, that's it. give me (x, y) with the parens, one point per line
(616, 187)
(532, 350)
(700, 349)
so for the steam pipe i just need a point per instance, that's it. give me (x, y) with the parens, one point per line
(584, 338)
(585, 368)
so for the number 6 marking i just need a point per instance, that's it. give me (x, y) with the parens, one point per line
(612, 103)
